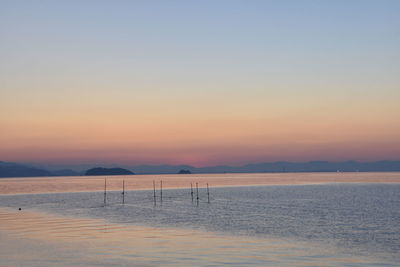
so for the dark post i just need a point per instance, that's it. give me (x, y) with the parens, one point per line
(154, 191)
(105, 191)
(123, 191)
(161, 190)
(208, 194)
(197, 193)
(191, 190)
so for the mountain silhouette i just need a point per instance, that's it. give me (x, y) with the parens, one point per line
(10, 169)
(184, 172)
(108, 171)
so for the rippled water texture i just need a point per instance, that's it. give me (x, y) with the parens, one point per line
(135, 182)
(335, 224)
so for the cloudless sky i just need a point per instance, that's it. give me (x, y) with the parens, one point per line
(199, 82)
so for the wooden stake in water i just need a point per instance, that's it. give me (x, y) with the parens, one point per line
(191, 190)
(105, 191)
(161, 190)
(197, 193)
(154, 191)
(123, 191)
(208, 194)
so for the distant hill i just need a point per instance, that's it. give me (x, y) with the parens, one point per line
(153, 169)
(184, 172)
(10, 169)
(279, 166)
(108, 171)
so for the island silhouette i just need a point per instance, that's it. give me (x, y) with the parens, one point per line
(183, 171)
(108, 171)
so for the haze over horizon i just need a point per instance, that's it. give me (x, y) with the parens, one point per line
(82, 166)
(201, 83)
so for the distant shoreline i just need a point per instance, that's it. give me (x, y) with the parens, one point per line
(193, 174)
(12, 169)
(197, 173)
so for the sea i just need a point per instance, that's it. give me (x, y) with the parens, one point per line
(328, 224)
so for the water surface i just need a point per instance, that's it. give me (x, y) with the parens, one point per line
(136, 182)
(328, 224)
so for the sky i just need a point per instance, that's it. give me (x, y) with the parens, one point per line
(199, 82)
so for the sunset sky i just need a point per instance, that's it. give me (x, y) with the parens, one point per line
(199, 82)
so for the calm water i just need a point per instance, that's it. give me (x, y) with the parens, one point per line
(356, 220)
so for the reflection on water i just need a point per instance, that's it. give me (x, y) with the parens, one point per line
(330, 225)
(136, 182)
(98, 242)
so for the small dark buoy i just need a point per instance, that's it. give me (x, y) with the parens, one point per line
(19, 209)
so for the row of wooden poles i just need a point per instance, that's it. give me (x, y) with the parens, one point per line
(161, 192)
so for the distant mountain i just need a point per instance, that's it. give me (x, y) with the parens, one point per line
(279, 166)
(321, 166)
(10, 169)
(153, 169)
(108, 171)
(184, 172)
